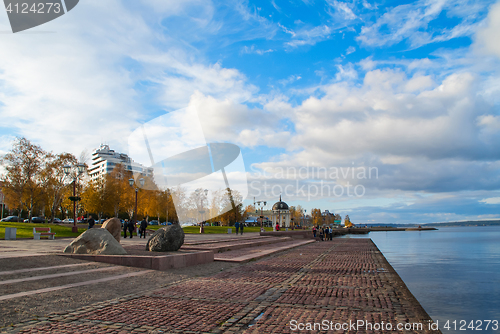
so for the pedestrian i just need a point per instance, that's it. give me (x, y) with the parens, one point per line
(277, 226)
(314, 231)
(125, 227)
(321, 234)
(331, 233)
(241, 228)
(237, 227)
(142, 229)
(131, 228)
(91, 222)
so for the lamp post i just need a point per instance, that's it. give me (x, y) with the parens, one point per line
(1, 194)
(261, 204)
(202, 194)
(305, 217)
(74, 171)
(168, 194)
(141, 183)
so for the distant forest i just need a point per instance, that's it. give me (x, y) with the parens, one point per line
(495, 222)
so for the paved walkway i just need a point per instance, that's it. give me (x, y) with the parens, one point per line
(324, 283)
(30, 247)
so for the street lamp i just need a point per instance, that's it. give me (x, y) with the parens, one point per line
(305, 217)
(261, 204)
(141, 183)
(3, 197)
(74, 171)
(168, 194)
(202, 194)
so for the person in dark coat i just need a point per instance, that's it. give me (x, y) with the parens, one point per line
(125, 227)
(241, 228)
(142, 229)
(237, 227)
(91, 222)
(131, 227)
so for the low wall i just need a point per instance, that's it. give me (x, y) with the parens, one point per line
(296, 234)
(163, 262)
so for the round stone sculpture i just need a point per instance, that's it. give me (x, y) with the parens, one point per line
(166, 239)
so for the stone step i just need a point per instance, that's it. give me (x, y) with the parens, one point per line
(254, 253)
(224, 246)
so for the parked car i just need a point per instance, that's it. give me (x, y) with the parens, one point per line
(57, 221)
(68, 221)
(153, 222)
(36, 220)
(11, 219)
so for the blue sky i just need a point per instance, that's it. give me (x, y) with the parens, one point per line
(409, 88)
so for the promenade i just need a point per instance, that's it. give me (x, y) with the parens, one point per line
(339, 286)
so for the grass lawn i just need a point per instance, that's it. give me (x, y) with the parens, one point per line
(25, 230)
(214, 229)
(221, 229)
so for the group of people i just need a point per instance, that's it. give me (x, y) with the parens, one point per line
(239, 227)
(130, 226)
(325, 233)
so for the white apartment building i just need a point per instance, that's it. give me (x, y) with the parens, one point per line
(104, 160)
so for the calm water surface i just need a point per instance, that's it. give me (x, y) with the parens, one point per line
(453, 272)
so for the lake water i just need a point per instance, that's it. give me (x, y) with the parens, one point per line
(453, 272)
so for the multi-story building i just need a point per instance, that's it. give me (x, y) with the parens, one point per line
(105, 160)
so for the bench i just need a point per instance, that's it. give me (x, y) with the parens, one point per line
(41, 232)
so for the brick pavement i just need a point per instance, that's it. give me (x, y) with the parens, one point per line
(337, 281)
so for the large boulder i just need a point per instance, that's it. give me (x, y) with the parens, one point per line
(96, 241)
(114, 226)
(165, 239)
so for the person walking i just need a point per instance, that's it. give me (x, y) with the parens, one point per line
(91, 222)
(131, 228)
(314, 231)
(125, 227)
(142, 229)
(331, 233)
(241, 228)
(237, 227)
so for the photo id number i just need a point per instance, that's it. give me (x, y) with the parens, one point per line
(36, 8)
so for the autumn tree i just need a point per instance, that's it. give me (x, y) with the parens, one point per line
(22, 183)
(97, 197)
(316, 217)
(249, 209)
(55, 181)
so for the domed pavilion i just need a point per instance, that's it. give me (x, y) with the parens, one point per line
(280, 215)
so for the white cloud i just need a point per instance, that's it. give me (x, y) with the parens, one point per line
(253, 50)
(491, 200)
(411, 21)
(89, 81)
(487, 37)
(308, 36)
(227, 121)
(342, 9)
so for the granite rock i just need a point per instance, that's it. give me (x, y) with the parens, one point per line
(96, 241)
(166, 239)
(114, 226)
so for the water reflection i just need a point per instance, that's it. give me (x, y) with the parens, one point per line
(453, 272)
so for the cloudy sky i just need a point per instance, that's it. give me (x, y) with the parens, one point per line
(388, 111)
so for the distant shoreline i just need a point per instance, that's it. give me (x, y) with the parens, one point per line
(446, 224)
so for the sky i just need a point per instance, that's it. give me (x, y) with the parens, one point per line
(388, 111)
